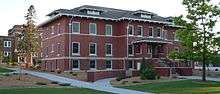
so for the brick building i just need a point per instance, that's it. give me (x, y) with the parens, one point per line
(107, 42)
(7, 47)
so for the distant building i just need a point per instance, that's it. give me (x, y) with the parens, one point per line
(107, 42)
(7, 47)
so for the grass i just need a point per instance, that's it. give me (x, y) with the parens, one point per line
(3, 70)
(179, 87)
(50, 91)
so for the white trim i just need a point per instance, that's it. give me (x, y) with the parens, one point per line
(160, 32)
(7, 53)
(95, 28)
(150, 27)
(7, 44)
(106, 29)
(97, 58)
(78, 48)
(74, 22)
(106, 49)
(142, 30)
(140, 50)
(52, 48)
(132, 50)
(132, 28)
(52, 30)
(78, 64)
(95, 49)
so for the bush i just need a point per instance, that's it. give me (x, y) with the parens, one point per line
(58, 71)
(6, 74)
(119, 78)
(54, 82)
(41, 83)
(147, 71)
(38, 67)
(64, 84)
(149, 74)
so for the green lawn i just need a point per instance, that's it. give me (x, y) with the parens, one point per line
(3, 70)
(50, 91)
(179, 87)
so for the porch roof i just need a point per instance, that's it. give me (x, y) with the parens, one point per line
(162, 41)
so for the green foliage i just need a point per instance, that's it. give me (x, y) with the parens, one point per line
(147, 71)
(198, 41)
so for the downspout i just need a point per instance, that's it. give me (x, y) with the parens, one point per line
(70, 49)
(127, 43)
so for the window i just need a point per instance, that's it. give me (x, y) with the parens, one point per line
(6, 54)
(175, 36)
(108, 49)
(52, 30)
(75, 48)
(158, 32)
(58, 28)
(108, 64)
(75, 65)
(165, 34)
(146, 16)
(140, 31)
(92, 48)
(92, 64)
(138, 49)
(75, 27)
(108, 30)
(47, 51)
(52, 48)
(130, 49)
(92, 28)
(130, 64)
(150, 32)
(130, 30)
(93, 12)
(149, 49)
(7, 43)
(58, 48)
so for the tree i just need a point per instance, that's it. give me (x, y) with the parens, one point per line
(197, 36)
(147, 71)
(29, 40)
(1, 51)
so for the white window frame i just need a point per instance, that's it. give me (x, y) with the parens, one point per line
(78, 48)
(95, 29)
(106, 65)
(151, 31)
(95, 49)
(106, 29)
(165, 34)
(8, 44)
(160, 32)
(142, 29)
(131, 29)
(74, 22)
(95, 64)
(132, 50)
(52, 30)
(106, 49)
(78, 65)
(7, 53)
(175, 37)
(140, 50)
(92, 12)
(149, 49)
(52, 48)
(132, 64)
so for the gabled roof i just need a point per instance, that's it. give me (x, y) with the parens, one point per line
(108, 13)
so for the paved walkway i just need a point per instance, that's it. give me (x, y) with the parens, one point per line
(198, 77)
(101, 85)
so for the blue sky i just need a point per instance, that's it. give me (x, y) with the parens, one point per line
(13, 11)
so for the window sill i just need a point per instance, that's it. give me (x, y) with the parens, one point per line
(75, 69)
(108, 68)
(108, 55)
(75, 54)
(75, 32)
(92, 55)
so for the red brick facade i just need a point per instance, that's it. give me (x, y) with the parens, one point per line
(58, 32)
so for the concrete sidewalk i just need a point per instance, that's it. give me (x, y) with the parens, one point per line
(199, 78)
(101, 85)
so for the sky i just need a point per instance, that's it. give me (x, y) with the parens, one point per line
(13, 11)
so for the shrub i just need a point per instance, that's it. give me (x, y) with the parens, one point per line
(41, 83)
(71, 72)
(54, 82)
(6, 74)
(37, 67)
(64, 84)
(74, 74)
(124, 82)
(120, 77)
(147, 71)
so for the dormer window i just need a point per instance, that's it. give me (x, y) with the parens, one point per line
(146, 16)
(92, 12)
